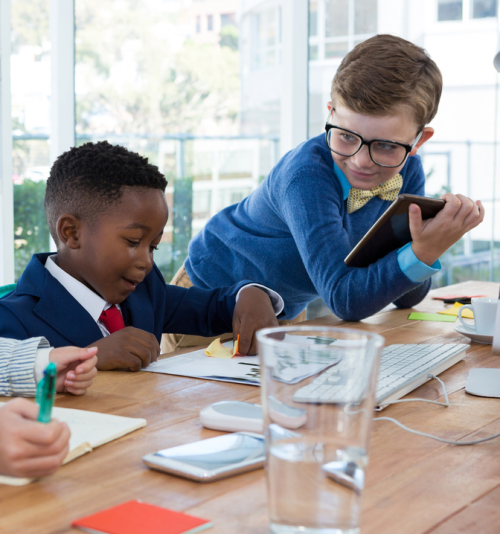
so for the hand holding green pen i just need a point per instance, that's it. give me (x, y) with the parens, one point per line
(45, 393)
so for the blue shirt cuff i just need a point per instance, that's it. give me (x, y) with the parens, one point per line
(276, 299)
(413, 268)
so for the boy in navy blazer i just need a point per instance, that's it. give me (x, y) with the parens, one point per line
(106, 211)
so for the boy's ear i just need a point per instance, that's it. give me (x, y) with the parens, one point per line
(427, 133)
(69, 230)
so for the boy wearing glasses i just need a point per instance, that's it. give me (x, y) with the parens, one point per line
(295, 230)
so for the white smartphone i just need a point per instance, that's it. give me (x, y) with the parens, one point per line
(211, 459)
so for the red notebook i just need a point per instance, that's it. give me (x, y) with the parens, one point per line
(136, 517)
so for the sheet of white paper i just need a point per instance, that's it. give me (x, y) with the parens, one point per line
(196, 364)
(240, 369)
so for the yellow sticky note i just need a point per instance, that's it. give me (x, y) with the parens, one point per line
(217, 350)
(467, 313)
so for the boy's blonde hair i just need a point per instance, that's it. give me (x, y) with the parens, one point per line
(385, 73)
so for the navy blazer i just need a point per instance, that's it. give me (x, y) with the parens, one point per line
(41, 306)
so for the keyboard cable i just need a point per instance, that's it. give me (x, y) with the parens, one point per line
(424, 434)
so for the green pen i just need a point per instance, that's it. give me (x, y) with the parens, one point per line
(45, 393)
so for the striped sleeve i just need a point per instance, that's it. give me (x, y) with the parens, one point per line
(17, 362)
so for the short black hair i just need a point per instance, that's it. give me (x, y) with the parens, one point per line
(88, 179)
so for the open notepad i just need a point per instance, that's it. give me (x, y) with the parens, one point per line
(88, 431)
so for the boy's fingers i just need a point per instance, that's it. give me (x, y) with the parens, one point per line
(253, 347)
(46, 434)
(78, 384)
(132, 361)
(143, 352)
(416, 222)
(475, 216)
(453, 204)
(149, 341)
(245, 341)
(466, 206)
(79, 389)
(66, 355)
(24, 408)
(82, 377)
(42, 466)
(86, 366)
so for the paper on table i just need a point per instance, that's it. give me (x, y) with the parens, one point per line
(467, 313)
(88, 431)
(416, 316)
(240, 369)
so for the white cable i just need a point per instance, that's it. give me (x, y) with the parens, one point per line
(425, 435)
(436, 437)
(446, 403)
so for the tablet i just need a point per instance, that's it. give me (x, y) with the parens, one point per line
(392, 230)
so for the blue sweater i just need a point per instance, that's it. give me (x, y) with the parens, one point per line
(293, 234)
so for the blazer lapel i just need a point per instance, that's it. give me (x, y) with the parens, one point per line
(137, 310)
(65, 314)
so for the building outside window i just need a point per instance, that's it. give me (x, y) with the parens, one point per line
(266, 38)
(449, 10)
(210, 23)
(484, 8)
(227, 19)
(337, 26)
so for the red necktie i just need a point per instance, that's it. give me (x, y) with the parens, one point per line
(112, 319)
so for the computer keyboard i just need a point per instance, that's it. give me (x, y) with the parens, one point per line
(403, 368)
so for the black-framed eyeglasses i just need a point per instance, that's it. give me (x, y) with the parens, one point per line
(382, 152)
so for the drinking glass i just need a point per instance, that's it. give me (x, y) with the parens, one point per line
(318, 396)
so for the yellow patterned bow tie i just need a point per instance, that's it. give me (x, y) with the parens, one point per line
(359, 197)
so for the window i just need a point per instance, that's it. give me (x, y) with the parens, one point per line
(30, 86)
(449, 10)
(266, 39)
(173, 95)
(227, 19)
(335, 26)
(484, 8)
(210, 23)
(465, 10)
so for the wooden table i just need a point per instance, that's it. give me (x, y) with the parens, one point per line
(414, 485)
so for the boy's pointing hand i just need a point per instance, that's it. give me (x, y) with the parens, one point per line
(253, 311)
(129, 349)
(433, 237)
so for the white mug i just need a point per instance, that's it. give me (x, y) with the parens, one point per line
(485, 311)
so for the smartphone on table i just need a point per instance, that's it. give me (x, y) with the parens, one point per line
(213, 458)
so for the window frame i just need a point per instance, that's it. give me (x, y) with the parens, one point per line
(7, 275)
(321, 41)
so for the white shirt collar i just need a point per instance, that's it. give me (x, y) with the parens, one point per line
(92, 302)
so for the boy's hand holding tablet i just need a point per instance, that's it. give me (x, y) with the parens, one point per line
(433, 237)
